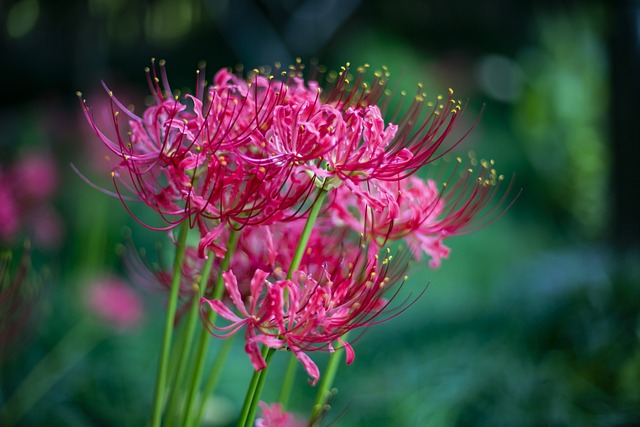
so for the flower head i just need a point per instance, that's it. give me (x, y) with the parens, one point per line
(250, 151)
(305, 312)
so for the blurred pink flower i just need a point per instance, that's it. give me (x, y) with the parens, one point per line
(115, 303)
(38, 176)
(26, 189)
(274, 416)
(9, 210)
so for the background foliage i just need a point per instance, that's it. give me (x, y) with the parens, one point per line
(533, 320)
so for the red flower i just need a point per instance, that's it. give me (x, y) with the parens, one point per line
(305, 313)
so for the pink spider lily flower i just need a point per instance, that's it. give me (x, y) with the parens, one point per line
(387, 151)
(274, 416)
(305, 313)
(341, 137)
(187, 158)
(423, 213)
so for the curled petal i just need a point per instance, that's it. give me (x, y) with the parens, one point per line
(231, 284)
(309, 365)
(348, 350)
(221, 310)
(207, 242)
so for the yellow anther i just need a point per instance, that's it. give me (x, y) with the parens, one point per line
(450, 91)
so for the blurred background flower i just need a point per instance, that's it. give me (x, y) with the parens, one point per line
(534, 320)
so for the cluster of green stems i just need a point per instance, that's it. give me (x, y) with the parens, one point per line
(188, 369)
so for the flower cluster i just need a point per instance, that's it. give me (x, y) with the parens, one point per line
(315, 182)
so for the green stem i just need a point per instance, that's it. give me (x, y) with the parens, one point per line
(324, 389)
(306, 232)
(203, 344)
(214, 376)
(161, 382)
(74, 346)
(252, 396)
(185, 348)
(287, 382)
(258, 391)
(289, 379)
(255, 388)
